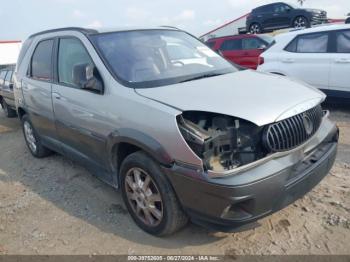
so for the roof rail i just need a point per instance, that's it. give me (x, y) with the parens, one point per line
(85, 31)
(169, 26)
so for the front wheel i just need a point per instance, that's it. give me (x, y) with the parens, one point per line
(33, 140)
(9, 112)
(149, 196)
(301, 22)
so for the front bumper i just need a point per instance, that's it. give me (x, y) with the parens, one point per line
(317, 19)
(233, 201)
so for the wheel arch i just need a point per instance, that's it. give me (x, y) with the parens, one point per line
(126, 141)
(21, 112)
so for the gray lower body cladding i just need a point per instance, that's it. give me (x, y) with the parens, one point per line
(232, 203)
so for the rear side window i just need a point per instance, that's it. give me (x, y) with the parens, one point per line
(41, 64)
(343, 41)
(2, 77)
(264, 9)
(252, 43)
(23, 51)
(231, 45)
(311, 43)
(71, 53)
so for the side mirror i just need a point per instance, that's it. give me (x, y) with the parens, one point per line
(87, 77)
(262, 47)
(11, 85)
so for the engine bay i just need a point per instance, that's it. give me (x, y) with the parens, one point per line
(222, 142)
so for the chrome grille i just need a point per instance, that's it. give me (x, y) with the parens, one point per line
(294, 131)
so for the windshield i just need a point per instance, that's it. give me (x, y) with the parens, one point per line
(150, 58)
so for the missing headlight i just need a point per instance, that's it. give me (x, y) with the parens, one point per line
(222, 142)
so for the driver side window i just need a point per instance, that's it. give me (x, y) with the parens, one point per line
(281, 8)
(71, 53)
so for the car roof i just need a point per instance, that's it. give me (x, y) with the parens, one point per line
(90, 31)
(234, 36)
(321, 28)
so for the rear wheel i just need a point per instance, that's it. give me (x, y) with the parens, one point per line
(301, 22)
(9, 112)
(149, 196)
(255, 28)
(33, 140)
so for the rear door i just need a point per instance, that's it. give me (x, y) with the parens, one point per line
(340, 62)
(252, 48)
(307, 58)
(36, 88)
(266, 14)
(231, 49)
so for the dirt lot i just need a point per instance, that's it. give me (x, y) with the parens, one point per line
(54, 206)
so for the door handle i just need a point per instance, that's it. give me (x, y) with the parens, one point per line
(56, 95)
(288, 60)
(343, 60)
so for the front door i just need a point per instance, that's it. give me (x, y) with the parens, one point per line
(79, 119)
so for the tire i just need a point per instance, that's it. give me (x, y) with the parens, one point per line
(255, 28)
(33, 140)
(161, 216)
(301, 22)
(9, 112)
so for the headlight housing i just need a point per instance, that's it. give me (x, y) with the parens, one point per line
(222, 142)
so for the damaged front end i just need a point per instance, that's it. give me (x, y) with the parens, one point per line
(222, 142)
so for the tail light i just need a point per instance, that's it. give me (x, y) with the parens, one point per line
(261, 60)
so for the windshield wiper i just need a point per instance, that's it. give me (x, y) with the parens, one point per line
(200, 77)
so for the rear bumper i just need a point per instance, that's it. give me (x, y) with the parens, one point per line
(226, 203)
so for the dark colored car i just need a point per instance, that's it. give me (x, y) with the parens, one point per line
(7, 99)
(280, 15)
(243, 50)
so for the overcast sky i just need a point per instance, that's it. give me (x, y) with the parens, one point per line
(20, 18)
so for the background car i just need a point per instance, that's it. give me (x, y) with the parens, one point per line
(7, 99)
(243, 50)
(280, 15)
(347, 21)
(319, 56)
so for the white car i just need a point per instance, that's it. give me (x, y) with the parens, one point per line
(318, 56)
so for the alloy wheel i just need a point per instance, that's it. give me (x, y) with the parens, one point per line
(300, 22)
(255, 29)
(144, 197)
(29, 135)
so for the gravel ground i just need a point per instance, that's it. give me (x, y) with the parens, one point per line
(54, 206)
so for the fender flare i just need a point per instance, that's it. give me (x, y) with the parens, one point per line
(140, 140)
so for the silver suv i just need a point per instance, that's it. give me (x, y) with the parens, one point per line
(183, 133)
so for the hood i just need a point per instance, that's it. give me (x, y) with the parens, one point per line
(312, 10)
(258, 97)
